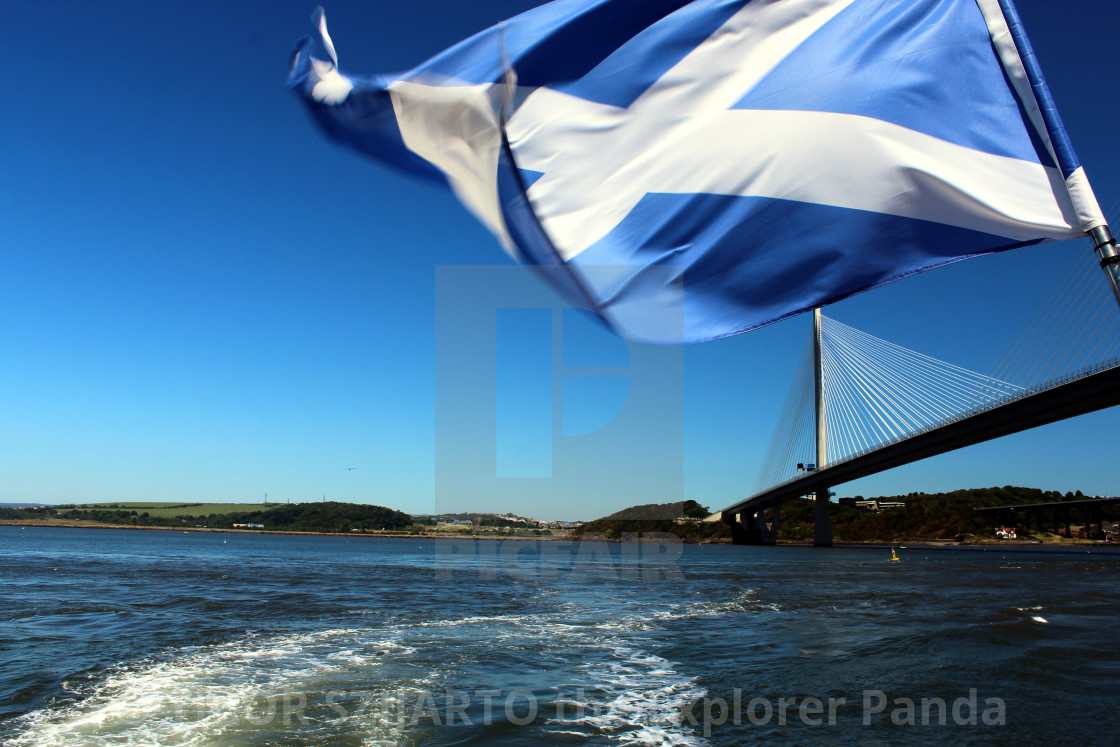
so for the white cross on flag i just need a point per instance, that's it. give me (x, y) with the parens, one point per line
(726, 164)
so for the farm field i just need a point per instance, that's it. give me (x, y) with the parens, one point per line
(166, 509)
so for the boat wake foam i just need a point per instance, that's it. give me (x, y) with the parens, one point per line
(601, 679)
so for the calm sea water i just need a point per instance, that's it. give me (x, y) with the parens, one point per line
(112, 637)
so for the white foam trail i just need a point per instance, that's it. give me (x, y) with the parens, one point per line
(226, 693)
(631, 696)
(645, 701)
(744, 601)
(211, 695)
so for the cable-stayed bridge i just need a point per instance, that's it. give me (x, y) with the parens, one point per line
(859, 404)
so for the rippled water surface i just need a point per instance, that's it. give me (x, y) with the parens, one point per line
(113, 637)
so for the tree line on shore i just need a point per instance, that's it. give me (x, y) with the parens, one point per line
(327, 516)
(945, 516)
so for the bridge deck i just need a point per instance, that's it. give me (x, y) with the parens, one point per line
(1087, 502)
(1089, 393)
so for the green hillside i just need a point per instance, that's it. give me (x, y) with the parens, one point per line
(657, 518)
(943, 516)
(329, 516)
(661, 512)
(946, 516)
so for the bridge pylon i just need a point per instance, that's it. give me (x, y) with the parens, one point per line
(822, 517)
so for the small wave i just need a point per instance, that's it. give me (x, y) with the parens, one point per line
(474, 620)
(639, 699)
(745, 601)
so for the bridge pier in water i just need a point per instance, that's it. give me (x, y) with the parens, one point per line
(822, 520)
(760, 526)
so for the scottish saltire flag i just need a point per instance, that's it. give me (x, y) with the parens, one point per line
(728, 163)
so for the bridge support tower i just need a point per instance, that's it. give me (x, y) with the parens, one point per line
(822, 515)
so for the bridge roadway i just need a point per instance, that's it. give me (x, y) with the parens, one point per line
(1090, 513)
(1052, 505)
(1082, 395)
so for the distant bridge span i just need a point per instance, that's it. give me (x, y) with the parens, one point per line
(898, 406)
(1083, 394)
(1090, 509)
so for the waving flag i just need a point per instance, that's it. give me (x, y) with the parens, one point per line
(732, 162)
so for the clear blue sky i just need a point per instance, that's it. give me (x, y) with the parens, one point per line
(203, 299)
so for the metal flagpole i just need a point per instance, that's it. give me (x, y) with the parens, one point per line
(1105, 247)
(822, 521)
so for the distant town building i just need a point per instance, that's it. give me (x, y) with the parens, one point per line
(559, 524)
(875, 504)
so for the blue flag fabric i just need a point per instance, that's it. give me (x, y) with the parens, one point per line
(692, 170)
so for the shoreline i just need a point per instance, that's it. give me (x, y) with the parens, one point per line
(223, 530)
(978, 546)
